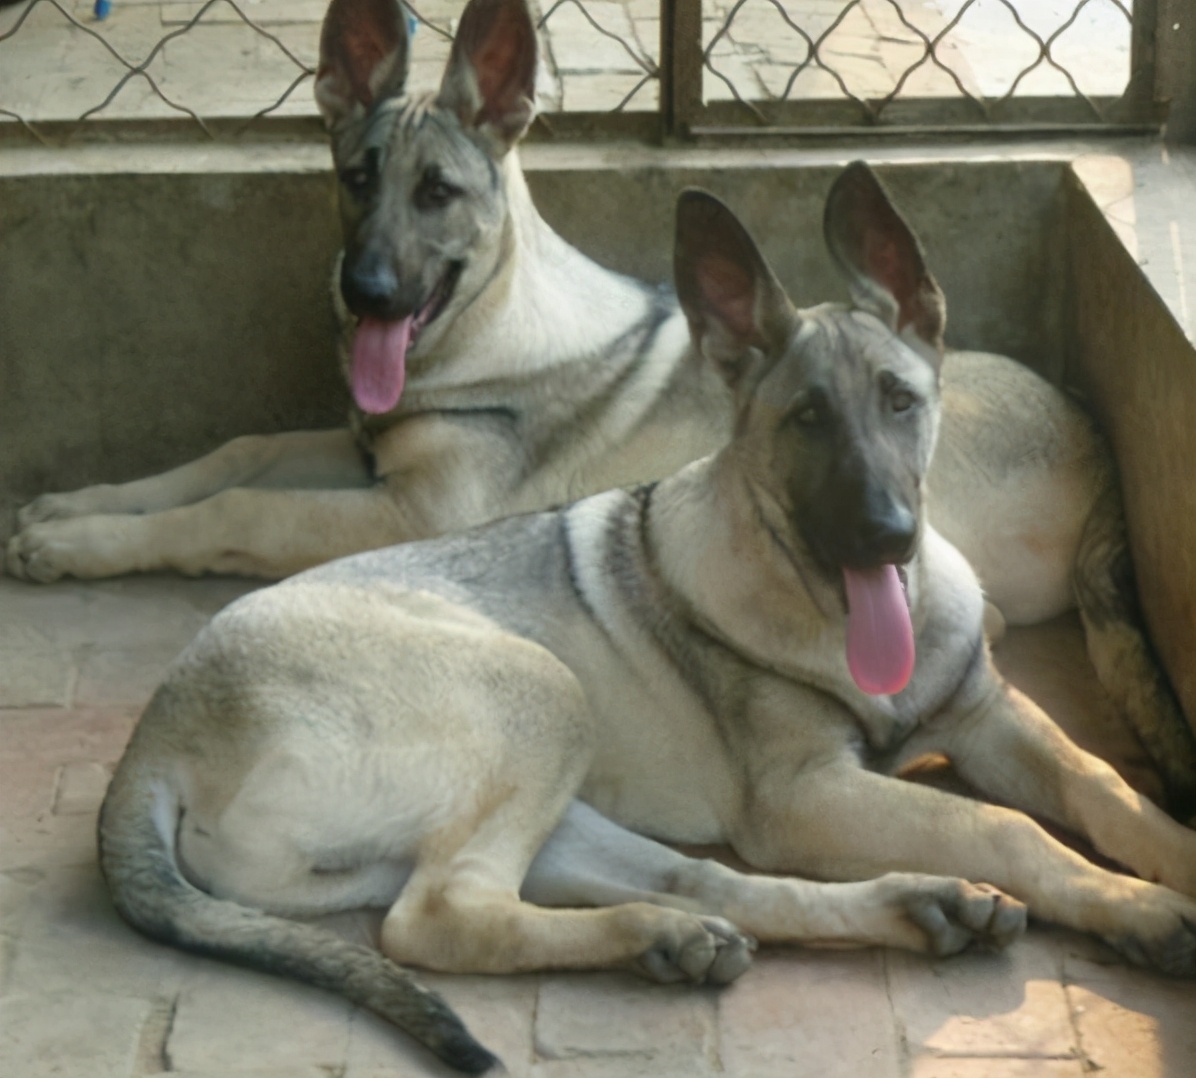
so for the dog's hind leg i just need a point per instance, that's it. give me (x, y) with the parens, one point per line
(1121, 654)
(592, 861)
(463, 912)
(310, 459)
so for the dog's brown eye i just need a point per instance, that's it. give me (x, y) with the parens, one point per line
(900, 399)
(435, 193)
(359, 178)
(811, 412)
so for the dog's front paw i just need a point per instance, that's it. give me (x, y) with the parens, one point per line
(703, 950)
(32, 556)
(85, 547)
(955, 914)
(78, 503)
(1162, 935)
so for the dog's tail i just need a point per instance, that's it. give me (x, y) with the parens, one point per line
(1125, 661)
(137, 828)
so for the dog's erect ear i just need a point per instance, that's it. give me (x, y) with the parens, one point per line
(881, 256)
(490, 81)
(363, 57)
(735, 306)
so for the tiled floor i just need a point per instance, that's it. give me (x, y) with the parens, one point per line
(591, 60)
(82, 996)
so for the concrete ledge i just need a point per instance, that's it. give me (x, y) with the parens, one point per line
(157, 300)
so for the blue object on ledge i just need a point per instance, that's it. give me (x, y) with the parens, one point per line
(102, 8)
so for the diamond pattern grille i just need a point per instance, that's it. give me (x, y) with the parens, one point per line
(840, 62)
(873, 52)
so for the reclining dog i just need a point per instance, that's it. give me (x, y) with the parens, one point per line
(487, 732)
(496, 370)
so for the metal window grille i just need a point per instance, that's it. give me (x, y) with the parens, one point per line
(978, 64)
(681, 68)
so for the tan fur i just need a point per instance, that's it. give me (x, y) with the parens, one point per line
(479, 732)
(537, 333)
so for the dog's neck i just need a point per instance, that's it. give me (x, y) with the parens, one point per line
(719, 550)
(547, 304)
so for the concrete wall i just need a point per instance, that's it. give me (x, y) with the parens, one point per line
(992, 231)
(1137, 366)
(155, 302)
(145, 318)
(154, 306)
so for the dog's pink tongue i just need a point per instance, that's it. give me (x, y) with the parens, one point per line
(380, 363)
(880, 636)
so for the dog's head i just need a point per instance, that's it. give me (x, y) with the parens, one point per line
(422, 195)
(837, 406)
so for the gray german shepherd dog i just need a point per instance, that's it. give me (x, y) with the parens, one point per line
(497, 370)
(477, 732)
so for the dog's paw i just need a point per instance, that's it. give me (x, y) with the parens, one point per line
(702, 950)
(955, 914)
(43, 553)
(78, 503)
(31, 556)
(1163, 935)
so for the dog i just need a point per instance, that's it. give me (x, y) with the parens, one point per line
(490, 734)
(497, 370)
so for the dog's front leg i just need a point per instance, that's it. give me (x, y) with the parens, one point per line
(1008, 747)
(448, 477)
(838, 821)
(592, 861)
(305, 459)
(263, 533)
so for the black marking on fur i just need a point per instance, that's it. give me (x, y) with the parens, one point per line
(497, 411)
(621, 360)
(366, 427)
(583, 600)
(790, 555)
(664, 306)
(684, 642)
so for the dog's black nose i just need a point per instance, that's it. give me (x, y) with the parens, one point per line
(870, 526)
(886, 535)
(370, 285)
